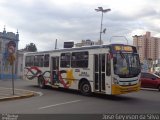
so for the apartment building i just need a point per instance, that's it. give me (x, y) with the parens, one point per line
(147, 46)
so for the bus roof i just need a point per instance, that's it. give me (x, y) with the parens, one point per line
(77, 48)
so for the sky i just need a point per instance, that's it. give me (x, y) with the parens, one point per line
(43, 21)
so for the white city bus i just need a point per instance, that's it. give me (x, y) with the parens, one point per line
(108, 69)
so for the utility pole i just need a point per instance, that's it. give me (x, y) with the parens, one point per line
(56, 44)
(100, 9)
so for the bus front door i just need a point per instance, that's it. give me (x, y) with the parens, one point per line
(55, 70)
(99, 72)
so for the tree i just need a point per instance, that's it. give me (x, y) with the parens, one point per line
(31, 47)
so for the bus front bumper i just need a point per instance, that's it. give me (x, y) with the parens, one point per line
(117, 89)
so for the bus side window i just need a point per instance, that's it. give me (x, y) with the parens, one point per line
(46, 60)
(80, 59)
(65, 60)
(27, 61)
(108, 65)
(32, 61)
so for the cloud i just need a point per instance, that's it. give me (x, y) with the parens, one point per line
(39, 21)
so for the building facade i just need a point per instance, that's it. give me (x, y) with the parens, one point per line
(5, 67)
(20, 65)
(147, 46)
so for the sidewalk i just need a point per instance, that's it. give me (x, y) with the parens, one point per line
(7, 94)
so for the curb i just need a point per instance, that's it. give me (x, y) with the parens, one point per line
(15, 97)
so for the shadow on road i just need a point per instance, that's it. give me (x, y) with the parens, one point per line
(115, 97)
(95, 95)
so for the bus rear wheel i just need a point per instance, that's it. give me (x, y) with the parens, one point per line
(41, 82)
(85, 88)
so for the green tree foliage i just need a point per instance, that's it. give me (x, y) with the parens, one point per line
(31, 47)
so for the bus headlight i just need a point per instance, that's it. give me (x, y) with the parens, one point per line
(115, 81)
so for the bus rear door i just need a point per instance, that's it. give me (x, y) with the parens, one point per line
(54, 70)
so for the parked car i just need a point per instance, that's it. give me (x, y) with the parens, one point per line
(150, 80)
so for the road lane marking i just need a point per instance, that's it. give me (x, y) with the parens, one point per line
(59, 104)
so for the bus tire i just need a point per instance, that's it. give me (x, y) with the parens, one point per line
(85, 88)
(41, 82)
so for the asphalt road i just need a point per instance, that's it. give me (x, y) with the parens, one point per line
(53, 101)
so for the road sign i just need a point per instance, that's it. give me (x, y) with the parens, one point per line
(11, 59)
(12, 43)
(11, 51)
(11, 47)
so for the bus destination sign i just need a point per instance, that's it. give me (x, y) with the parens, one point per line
(123, 48)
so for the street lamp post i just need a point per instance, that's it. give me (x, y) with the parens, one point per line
(100, 9)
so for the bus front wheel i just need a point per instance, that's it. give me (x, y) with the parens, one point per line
(85, 88)
(41, 82)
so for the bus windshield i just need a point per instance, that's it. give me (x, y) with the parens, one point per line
(126, 64)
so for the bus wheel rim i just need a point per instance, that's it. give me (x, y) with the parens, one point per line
(85, 88)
